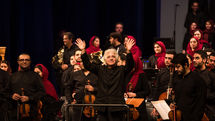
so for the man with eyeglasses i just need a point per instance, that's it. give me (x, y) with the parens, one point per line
(27, 82)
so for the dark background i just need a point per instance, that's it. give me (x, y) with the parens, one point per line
(34, 26)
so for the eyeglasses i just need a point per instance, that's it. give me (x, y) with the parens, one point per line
(24, 60)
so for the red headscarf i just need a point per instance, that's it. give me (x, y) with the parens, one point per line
(92, 48)
(50, 90)
(201, 40)
(136, 53)
(161, 56)
(199, 47)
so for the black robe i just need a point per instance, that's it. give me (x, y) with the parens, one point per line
(190, 93)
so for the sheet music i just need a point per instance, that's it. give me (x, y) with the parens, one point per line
(162, 108)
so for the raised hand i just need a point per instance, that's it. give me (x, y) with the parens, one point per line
(129, 44)
(80, 43)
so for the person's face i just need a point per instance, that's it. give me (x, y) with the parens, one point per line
(168, 59)
(4, 66)
(193, 43)
(78, 56)
(77, 68)
(72, 60)
(193, 26)
(66, 40)
(37, 70)
(208, 25)
(111, 40)
(110, 59)
(24, 61)
(198, 61)
(195, 6)
(212, 61)
(96, 42)
(157, 48)
(119, 28)
(179, 69)
(198, 35)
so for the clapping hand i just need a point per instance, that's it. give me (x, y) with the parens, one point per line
(80, 43)
(129, 44)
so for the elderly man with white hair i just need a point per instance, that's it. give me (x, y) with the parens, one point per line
(111, 79)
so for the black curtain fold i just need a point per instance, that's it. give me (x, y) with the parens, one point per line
(34, 26)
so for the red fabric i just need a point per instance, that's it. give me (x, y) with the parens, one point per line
(92, 48)
(161, 56)
(199, 47)
(50, 90)
(201, 40)
(136, 53)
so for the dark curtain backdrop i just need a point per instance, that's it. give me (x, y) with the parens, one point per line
(33, 26)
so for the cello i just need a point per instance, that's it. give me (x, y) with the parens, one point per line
(89, 98)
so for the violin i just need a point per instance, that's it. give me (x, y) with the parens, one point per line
(89, 98)
(24, 108)
(134, 112)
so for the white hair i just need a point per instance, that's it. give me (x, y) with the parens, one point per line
(110, 51)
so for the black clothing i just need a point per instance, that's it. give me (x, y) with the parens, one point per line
(211, 39)
(77, 84)
(66, 75)
(62, 57)
(120, 49)
(209, 78)
(68, 52)
(152, 61)
(200, 18)
(4, 78)
(163, 78)
(110, 85)
(33, 88)
(190, 94)
(142, 91)
(187, 37)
